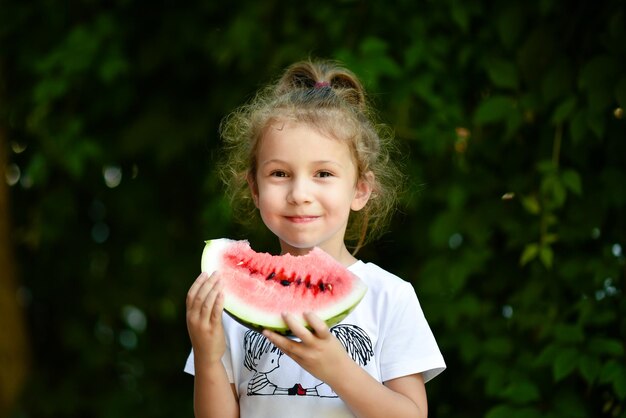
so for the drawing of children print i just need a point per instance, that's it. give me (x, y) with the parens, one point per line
(263, 358)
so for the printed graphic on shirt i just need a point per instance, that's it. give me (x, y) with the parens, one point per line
(262, 357)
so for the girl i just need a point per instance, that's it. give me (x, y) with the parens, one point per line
(306, 155)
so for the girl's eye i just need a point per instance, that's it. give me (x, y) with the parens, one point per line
(324, 174)
(278, 173)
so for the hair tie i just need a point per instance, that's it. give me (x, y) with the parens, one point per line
(321, 84)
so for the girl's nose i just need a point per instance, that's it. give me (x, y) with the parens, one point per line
(299, 192)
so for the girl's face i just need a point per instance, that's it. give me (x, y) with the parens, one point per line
(305, 186)
(269, 361)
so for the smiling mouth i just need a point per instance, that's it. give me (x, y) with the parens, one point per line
(301, 219)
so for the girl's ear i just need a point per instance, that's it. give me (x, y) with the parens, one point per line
(364, 187)
(254, 190)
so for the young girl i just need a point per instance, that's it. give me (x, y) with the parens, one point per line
(307, 156)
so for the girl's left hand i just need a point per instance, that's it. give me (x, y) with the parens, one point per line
(319, 352)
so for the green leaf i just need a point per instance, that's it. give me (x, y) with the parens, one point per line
(597, 78)
(508, 411)
(49, 89)
(568, 333)
(460, 15)
(414, 54)
(503, 73)
(493, 109)
(529, 254)
(425, 89)
(571, 180)
(589, 367)
(614, 372)
(565, 109)
(546, 167)
(513, 123)
(550, 238)
(596, 121)
(510, 24)
(570, 404)
(531, 204)
(565, 363)
(600, 345)
(494, 375)
(374, 50)
(557, 84)
(599, 69)
(498, 346)
(619, 384)
(38, 169)
(546, 255)
(578, 126)
(527, 412)
(113, 68)
(500, 411)
(609, 370)
(553, 191)
(521, 391)
(443, 226)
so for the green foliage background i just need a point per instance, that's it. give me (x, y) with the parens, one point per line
(513, 230)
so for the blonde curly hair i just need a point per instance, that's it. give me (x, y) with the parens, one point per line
(329, 98)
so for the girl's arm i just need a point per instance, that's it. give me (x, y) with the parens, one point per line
(322, 355)
(214, 396)
(401, 397)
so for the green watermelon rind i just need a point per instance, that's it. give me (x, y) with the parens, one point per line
(211, 257)
(284, 330)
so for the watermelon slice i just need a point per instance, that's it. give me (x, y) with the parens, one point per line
(258, 287)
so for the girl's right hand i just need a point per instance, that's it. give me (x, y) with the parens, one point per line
(205, 303)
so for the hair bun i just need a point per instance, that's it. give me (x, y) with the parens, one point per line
(318, 74)
(351, 89)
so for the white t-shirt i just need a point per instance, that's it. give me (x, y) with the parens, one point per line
(386, 334)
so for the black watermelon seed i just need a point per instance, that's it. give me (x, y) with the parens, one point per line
(321, 286)
(285, 282)
(271, 276)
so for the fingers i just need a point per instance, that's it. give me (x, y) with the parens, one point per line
(205, 304)
(203, 295)
(316, 327)
(193, 290)
(283, 343)
(296, 326)
(318, 331)
(218, 305)
(317, 349)
(319, 327)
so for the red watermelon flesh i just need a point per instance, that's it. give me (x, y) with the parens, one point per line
(259, 287)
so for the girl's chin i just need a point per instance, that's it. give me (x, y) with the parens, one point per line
(297, 247)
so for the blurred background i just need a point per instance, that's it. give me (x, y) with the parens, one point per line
(512, 231)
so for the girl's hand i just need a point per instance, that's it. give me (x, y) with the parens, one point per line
(318, 352)
(205, 303)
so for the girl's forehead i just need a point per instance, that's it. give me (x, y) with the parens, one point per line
(290, 137)
(294, 129)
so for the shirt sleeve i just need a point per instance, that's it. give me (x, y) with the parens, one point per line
(409, 345)
(189, 365)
